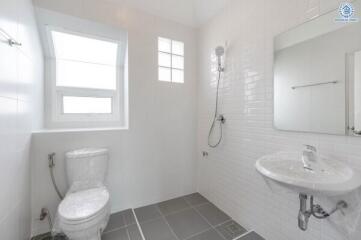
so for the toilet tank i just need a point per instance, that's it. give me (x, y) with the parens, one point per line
(87, 165)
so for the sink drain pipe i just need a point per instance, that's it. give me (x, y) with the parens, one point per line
(315, 210)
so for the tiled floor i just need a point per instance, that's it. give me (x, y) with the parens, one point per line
(191, 217)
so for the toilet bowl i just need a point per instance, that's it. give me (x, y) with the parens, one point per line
(84, 212)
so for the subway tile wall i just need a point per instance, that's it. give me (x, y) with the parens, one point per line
(227, 176)
(20, 112)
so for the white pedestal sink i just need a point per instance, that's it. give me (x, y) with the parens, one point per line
(328, 177)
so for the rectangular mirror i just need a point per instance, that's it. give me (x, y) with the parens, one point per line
(317, 71)
(354, 76)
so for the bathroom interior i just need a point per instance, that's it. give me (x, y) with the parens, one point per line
(180, 120)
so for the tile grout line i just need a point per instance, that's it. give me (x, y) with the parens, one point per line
(138, 225)
(195, 209)
(114, 230)
(128, 235)
(212, 227)
(193, 235)
(166, 221)
(242, 235)
(190, 206)
(215, 227)
(181, 210)
(126, 224)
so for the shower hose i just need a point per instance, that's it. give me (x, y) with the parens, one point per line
(216, 118)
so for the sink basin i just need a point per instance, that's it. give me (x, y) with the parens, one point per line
(328, 177)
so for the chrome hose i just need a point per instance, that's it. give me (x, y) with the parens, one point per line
(51, 169)
(217, 117)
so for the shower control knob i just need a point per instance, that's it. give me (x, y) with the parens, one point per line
(221, 118)
(356, 132)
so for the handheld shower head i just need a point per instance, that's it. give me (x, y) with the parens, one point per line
(219, 53)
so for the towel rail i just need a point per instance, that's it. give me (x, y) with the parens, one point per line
(314, 84)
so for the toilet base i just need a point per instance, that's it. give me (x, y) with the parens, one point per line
(88, 231)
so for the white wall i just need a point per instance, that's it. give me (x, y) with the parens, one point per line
(20, 112)
(228, 177)
(155, 159)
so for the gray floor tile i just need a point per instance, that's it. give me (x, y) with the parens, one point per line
(231, 230)
(187, 223)
(195, 199)
(120, 234)
(173, 205)
(120, 220)
(157, 230)
(128, 217)
(147, 213)
(208, 235)
(116, 221)
(134, 233)
(251, 236)
(213, 214)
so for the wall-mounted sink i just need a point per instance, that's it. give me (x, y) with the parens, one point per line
(323, 176)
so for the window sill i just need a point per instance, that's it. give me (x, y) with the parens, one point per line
(78, 130)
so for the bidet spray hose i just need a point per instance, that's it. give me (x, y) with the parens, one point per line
(51, 157)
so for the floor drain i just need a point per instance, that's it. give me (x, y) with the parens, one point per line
(231, 229)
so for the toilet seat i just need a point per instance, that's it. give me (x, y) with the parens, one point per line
(83, 206)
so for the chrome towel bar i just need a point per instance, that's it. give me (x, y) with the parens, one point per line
(314, 84)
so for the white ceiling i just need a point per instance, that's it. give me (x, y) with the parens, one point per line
(189, 12)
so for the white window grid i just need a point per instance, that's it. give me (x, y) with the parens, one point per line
(171, 54)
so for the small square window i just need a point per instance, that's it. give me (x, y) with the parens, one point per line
(170, 60)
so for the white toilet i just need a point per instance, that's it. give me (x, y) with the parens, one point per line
(84, 212)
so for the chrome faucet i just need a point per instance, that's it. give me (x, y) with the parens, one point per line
(309, 156)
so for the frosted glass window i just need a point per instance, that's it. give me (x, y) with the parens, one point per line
(84, 62)
(164, 59)
(90, 105)
(164, 45)
(165, 74)
(177, 76)
(170, 60)
(84, 49)
(85, 75)
(177, 62)
(178, 48)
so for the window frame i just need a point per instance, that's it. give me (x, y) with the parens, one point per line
(171, 68)
(55, 93)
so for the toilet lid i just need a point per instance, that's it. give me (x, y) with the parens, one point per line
(83, 204)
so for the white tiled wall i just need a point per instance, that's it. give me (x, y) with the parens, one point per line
(227, 176)
(20, 112)
(155, 159)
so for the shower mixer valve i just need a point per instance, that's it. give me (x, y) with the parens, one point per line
(221, 118)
